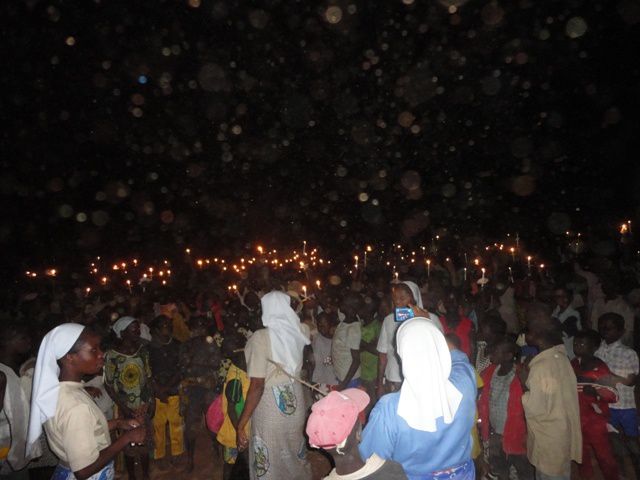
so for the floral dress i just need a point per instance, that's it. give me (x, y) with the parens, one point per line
(129, 376)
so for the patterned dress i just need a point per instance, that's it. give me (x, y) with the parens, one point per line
(129, 376)
(277, 447)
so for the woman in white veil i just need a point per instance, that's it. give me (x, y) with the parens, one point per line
(275, 403)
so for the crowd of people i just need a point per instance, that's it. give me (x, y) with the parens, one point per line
(430, 376)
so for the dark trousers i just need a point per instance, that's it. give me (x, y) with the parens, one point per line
(501, 462)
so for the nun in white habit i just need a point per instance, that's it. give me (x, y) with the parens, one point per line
(426, 426)
(77, 430)
(404, 294)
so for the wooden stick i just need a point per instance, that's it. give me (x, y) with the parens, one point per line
(312, 387)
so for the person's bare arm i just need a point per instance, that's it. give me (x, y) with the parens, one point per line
(355, 364)
(382, 365)
(137, 435)
(612, 380)
(3, 388)
(371, 347)
(256, 389)
(123, 409)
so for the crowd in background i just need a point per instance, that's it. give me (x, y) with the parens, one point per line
(532, 372)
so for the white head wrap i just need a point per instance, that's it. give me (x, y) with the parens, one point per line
(415, 291)
(121, 325)
(287, 340)
(44, 394)
(426, 393)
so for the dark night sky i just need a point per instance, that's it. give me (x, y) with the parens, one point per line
(139, 126)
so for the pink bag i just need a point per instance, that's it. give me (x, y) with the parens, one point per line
(215, 416)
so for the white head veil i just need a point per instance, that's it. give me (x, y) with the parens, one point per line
(44, 394)
(121, 325)
(426, 393)
(287, 341)
(415, 291)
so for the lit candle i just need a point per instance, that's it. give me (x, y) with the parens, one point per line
(428, 268)
(482, 282)
(304, 247)
(513, 254)
(304, 292)
(318, 284)
(529, 264)
(355, 257)
(129, 285)
(88, 291)
(465, 274)
(483, 270)
(510, 275)
(395, 274)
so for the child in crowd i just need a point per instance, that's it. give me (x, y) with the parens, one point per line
(594, 405)
(623, 363)
(164, 354)
(491, 329)
(567, 316)
(345, 345)
(454, 322)
(236, 387)
(199, 362)
(323, 373)
(502, 421)
(334, 426)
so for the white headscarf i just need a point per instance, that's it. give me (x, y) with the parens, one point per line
(287, 340)
(415, 291)
(121, 325)
(426, 393)
(44, 395)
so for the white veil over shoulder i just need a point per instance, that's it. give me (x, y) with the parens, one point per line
(283, 324)
(426, 393)
(46, 386)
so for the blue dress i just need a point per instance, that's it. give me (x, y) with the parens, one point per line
(423, 453)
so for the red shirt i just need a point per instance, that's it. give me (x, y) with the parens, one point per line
(591, 408)
(462, 331)
(514, 437)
